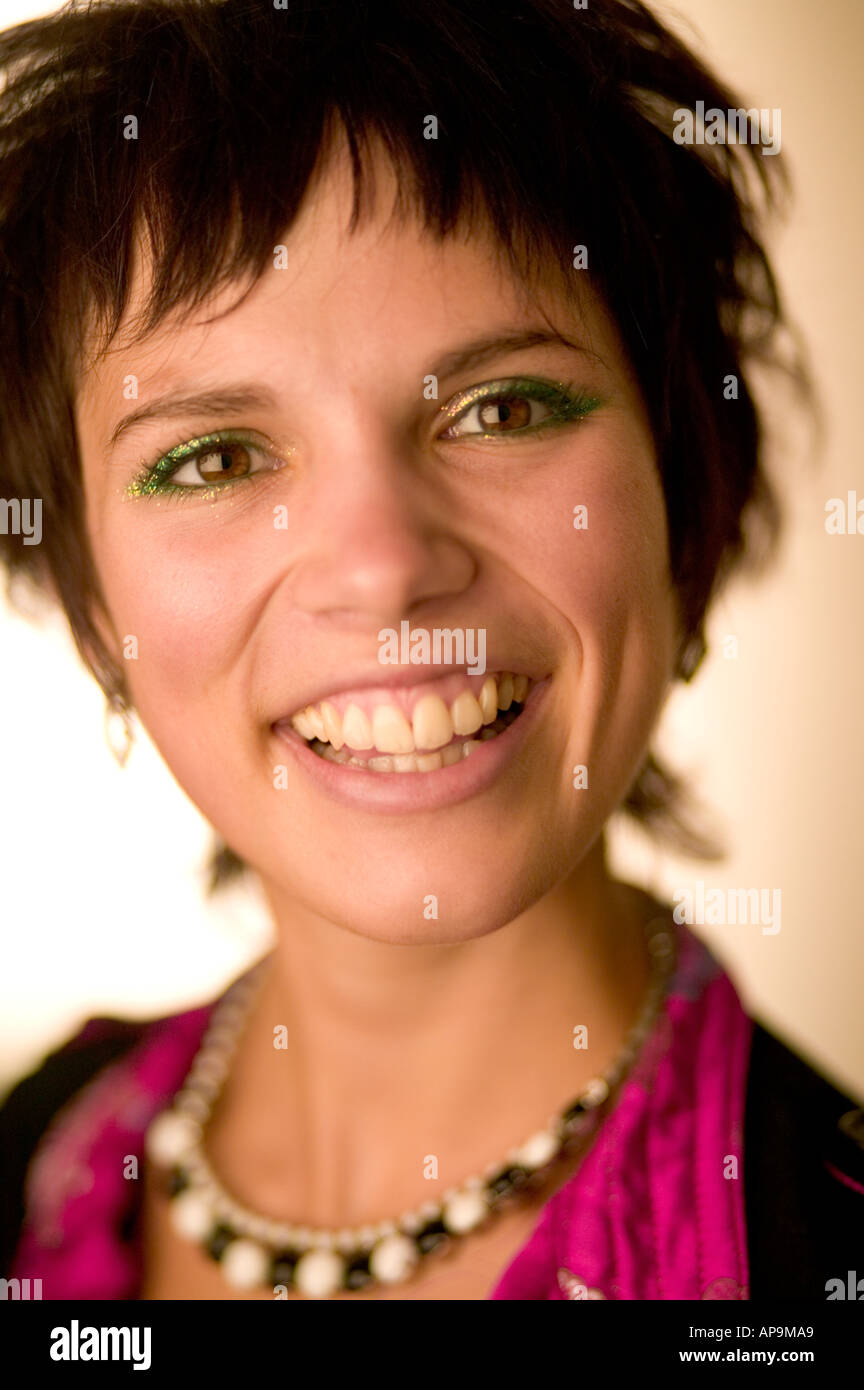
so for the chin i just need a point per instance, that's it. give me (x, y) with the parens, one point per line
(438, 899)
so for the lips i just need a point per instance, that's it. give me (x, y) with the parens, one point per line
(417, 728)
(486, 760)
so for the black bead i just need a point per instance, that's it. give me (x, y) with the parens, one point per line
(431, 1236)
(129, 1225)
(218, 1241)
(507, 1180)
(178, 1181)
(357, 1272)
(577, 1109)
(283, 1266)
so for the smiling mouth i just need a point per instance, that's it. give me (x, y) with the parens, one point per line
(387, 737)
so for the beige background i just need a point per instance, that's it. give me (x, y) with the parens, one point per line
(102, 908)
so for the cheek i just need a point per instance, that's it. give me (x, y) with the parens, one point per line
(594, 543)
(619, 578)
(606, 581)
(191, 603)
(185, 598)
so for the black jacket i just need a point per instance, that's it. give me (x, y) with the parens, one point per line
(803, 1160)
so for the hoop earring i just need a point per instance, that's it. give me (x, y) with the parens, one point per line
(119, 739)
(691, 656)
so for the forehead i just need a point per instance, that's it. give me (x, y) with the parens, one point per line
(336, 294)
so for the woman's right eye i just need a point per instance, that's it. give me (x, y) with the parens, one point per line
(219, 464)
(207, 464)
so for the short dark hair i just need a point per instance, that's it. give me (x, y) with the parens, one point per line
(556, 123)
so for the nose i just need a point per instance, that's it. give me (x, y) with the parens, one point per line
(379, 540)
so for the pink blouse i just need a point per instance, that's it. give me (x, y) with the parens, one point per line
(654, 1211)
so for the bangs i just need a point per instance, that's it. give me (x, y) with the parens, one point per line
(195, 129)
(201, 131)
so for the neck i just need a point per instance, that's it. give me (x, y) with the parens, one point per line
(397, 1054)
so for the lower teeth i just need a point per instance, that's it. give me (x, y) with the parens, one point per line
(418, 762)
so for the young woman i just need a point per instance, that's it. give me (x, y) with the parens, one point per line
(382, 373)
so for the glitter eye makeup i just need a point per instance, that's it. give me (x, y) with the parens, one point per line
(507, 400)
(223, 455)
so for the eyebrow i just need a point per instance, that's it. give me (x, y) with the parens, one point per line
(482, 349)
(221, 400)
(234, 399)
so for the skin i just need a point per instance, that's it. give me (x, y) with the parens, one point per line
(390, 1049)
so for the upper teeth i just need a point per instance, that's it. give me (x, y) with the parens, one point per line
(433, 723)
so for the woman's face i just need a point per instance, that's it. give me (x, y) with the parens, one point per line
(351, 501)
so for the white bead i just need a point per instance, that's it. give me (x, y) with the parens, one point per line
(193, 1105)
(219, 1043)
(231, 1015)
(199, 1172)
(393, 1259)
(228, 1211)
(192, 1214)
(283, 1235)
(208, 1069)
(170, 1137)
(464, 1212)
(245, 1264)
(595, 1092)
(319, 1273)
(537, 1150)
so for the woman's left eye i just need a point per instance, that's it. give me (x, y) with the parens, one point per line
(514, 408)
(207, 463)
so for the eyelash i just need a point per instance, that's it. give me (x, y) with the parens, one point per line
(571, 406)
(155, 478)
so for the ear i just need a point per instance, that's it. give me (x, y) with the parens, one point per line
(691, 654)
